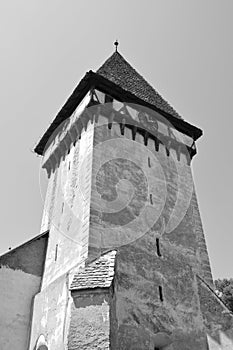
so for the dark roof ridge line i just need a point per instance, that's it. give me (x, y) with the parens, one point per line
(25, 243)
(99, 257)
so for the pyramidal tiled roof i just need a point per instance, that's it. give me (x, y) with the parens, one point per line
(119, 71)
(116, 72)
(98, 274)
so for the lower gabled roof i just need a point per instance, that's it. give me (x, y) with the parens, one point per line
(98, 274)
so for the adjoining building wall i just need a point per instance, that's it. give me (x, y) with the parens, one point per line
(89, 322)
(20, 279)
(51, 315)
(17, 289)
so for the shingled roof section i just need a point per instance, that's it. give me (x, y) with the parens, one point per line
(119, 71)
(98, 274)
(118, 78)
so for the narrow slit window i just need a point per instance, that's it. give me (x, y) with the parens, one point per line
(62, 208)
(158, 247)
(160, 293)
(56, 249)
(149, 163)
(69, 166)
(151, 199)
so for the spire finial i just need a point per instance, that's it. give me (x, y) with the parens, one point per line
(116, 44)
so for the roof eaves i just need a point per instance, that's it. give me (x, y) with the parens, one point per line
(91, 80)
(67, 109)
(117, 92)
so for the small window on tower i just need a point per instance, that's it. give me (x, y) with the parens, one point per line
(56, 249)
(158, 247)
(160, 293)
(151, 199)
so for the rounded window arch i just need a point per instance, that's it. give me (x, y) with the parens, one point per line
(41, 343)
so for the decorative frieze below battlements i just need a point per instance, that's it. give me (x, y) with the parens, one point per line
(138, 119)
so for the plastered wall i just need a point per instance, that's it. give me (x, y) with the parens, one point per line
(50, 315)
(20, 279)
(66, 213)
(17, 289)
(67, 209)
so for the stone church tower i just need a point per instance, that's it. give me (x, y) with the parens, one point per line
(121, 261)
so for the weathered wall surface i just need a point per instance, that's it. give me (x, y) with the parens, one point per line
(20, 279)
(67, 214)
(68, 207)
(156, 289)
(204, 269)
(50, 315)
(89, 326)
(151, 175)
(141, 274)
(138, 304)
(17, 289)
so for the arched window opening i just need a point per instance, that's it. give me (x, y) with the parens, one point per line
(41, 343)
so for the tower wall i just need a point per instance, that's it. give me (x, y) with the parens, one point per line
(108, 191)
(67, 208)
(121, 166)
(66, 215)
(140, 274)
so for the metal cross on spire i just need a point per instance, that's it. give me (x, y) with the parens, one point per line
(116, 44)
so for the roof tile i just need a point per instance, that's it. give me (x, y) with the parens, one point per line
(119, 71)
(98, 274)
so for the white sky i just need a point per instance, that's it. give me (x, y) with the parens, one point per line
(182, 47)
